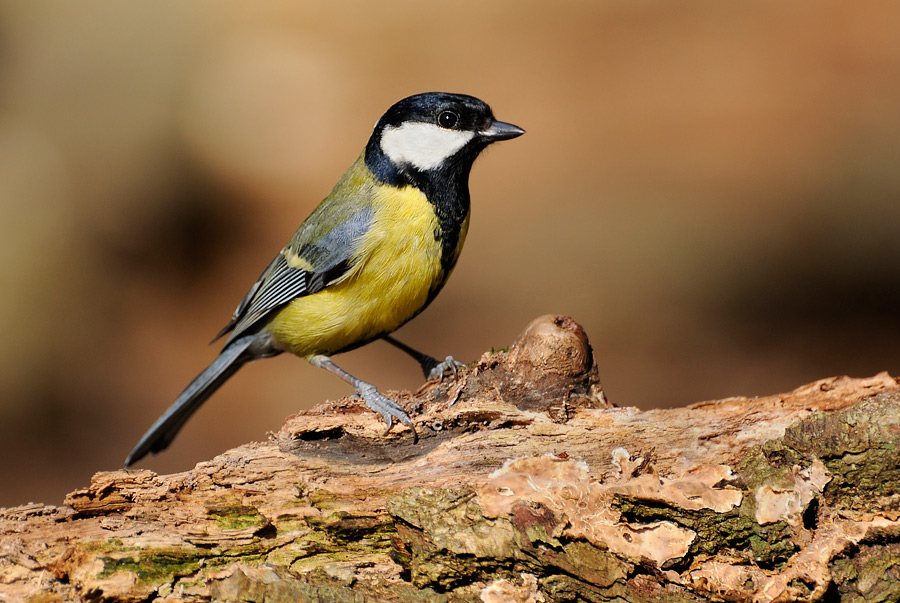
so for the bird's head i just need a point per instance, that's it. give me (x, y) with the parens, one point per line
(433, 132)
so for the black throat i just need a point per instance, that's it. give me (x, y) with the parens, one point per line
(446, 188)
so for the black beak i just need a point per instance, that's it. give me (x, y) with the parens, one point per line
(500, 130)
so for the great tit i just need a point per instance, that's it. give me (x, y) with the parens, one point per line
(369, 258)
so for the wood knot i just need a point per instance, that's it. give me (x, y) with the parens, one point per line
(551, 344)
(551, 367)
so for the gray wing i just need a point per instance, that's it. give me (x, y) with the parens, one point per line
(327, 253)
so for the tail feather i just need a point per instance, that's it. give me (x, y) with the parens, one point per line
(163, 431)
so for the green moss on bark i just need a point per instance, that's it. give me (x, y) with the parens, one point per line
(860, 447)
(869, 574)
(735, 532)
(153, 566)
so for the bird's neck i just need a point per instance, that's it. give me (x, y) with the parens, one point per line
(450, 198)
(446, 188)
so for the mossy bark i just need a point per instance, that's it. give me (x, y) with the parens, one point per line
(526, 485)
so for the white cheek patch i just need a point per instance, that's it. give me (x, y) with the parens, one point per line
(425, 146)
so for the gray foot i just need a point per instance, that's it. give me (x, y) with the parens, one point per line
(386, 407)
(442, 369)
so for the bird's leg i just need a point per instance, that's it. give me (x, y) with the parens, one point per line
(374, 399)
(431, 368)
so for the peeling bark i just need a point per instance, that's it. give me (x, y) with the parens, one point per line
(526, 485)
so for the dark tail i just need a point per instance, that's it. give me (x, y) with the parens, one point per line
(161, 434)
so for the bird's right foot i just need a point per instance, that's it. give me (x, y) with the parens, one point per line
(389, 409)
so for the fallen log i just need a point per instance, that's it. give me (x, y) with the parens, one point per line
(525, 485)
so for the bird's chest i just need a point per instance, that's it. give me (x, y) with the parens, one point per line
(402, 259)
(398, 267)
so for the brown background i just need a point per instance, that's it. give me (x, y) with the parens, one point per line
(711, 189)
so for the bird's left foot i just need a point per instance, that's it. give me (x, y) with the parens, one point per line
(439, 370)
(431, 368)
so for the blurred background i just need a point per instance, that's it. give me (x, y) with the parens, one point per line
(711, 189)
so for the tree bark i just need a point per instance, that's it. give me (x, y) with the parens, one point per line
(526, 485)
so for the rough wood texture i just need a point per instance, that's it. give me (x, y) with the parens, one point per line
(525, 486)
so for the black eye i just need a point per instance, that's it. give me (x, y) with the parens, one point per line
(447, 119)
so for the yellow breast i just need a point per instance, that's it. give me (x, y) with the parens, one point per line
(399, 263)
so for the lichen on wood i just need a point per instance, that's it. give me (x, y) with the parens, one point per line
(526, 485)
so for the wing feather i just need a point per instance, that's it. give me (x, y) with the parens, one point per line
(326, 254)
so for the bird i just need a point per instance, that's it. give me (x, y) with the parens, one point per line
(370, 257)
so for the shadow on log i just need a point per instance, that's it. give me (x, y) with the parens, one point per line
(526, 485)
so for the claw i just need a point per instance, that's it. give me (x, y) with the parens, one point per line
(387, 408)
(440, 370)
